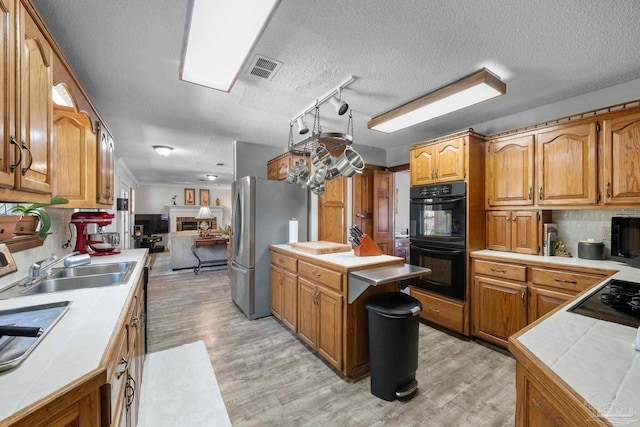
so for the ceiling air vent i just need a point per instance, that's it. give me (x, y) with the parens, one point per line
(264, 67)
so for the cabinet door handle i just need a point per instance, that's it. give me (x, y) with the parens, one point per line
(522, 297)
(124, 362)
(531, 193)
(130, 390)
(608, 193)
(432, 172)
(573, 282)
(540, 193)
(316, 274)
(14, 142)
(134, 322)
(24, 170)
(436, 172)
(497, 270)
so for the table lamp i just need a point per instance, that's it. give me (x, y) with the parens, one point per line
(203, 227)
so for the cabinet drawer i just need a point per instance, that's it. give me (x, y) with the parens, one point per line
(284, 261)
(504, 271)
(443, 312)
(118, 375)
(320, 275)
(564, 279)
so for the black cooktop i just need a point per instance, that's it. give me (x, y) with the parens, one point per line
(618, 301)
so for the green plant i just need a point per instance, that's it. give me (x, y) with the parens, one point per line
(37, 209)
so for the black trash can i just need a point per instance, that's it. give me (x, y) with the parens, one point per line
(393, 345)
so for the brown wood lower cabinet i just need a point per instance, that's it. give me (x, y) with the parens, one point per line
(316, 292)
(506, 296)
(442, 311)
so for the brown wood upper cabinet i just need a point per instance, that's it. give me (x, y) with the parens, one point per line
(106, 158)
(515, 231)
(278, 167)
(566, 165)
(510, 171)
(438, 162)
(26, 131)
(620, 183)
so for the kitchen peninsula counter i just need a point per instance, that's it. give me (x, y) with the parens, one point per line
(74, 352)
(573, 369)
(309, 295)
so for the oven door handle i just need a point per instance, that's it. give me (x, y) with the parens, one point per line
(435, 201)
(435, 251)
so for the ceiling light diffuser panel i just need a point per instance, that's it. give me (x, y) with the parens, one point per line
(219, 37)
(468, 91)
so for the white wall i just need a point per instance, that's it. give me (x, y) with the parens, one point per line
(617, 94)
(401, 180)
(156, 198)
(250, 159)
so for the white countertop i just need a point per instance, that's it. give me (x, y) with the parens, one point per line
(75, 345)
(343, 259)
(592, 356)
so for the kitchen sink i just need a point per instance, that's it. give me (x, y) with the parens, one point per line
(90, 270)
(73, 278)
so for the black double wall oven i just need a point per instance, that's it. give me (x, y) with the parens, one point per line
(437, 232)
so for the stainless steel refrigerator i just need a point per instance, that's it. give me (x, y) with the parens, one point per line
(261, 213)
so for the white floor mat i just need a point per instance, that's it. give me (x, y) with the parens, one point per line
(179, 388)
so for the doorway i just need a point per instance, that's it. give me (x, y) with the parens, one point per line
(401, 209)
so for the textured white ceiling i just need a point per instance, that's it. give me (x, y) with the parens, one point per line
(126, 54)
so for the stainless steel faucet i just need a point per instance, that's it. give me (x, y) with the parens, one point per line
(37, 267)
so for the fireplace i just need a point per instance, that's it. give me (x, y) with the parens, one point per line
(184, 223)
(183, 218)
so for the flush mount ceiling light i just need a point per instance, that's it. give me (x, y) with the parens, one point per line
(220, 35)
(302, 126)
(163, 150)
(212, 177)
(340, 106)
(470, 90)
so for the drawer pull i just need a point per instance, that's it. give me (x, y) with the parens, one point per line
(134, 322)
(573, 282)
(530, 193)
(434, 310)
(496, 270)
(281, 260)
(124, 362)
(540, 194)
(608, 190)
(316, 274)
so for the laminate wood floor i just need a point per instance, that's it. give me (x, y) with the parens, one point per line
(269, 378)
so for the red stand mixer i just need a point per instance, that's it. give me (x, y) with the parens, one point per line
(95, 244)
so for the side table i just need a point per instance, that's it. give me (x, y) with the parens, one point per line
(208, 262)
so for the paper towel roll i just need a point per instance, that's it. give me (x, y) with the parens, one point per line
(293, 230)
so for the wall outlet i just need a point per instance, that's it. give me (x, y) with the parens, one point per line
(606, 233)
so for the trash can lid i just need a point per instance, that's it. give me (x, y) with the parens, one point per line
(394, 303)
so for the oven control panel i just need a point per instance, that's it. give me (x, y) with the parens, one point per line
(438, 190)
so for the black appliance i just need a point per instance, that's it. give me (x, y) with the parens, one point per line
(437, 233)
(618, 301)
(625, 239)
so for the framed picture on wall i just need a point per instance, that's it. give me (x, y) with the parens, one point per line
(204, 197)
(189, 196)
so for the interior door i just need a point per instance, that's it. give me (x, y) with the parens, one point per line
(363, 201)
(383, 210)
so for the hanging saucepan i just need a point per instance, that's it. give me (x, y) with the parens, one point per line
(321, 157)
(348, 164)
(318, 189)
(292, 175)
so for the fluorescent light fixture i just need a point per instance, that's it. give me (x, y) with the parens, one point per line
(219, 37)
(472, 89)
(163, 150)
(61, 96)
(212, 177)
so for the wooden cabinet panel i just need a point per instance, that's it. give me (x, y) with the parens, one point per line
(499, 309)
(321, 275)
(621, 157)
(567, 280)
(543, 301)
(535, 406)
(566, 165)
(438, 162)
(332, 211)
(277, 284)
(8, 144)
(422, 165)
(444, 312)
(307, 317)
(289, 292)
(510, 172)
(278, 167)
(515, 231)
(450, 160)
(106, 156)
(286, 262)
(36, 111)
(329, 306)
(501, 270)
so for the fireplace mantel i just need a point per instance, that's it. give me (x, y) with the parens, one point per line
(190, 211)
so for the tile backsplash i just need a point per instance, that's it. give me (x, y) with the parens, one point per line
(576, 225)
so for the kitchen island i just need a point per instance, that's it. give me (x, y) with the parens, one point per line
(75, 374)
(574, 370)
(309, 295)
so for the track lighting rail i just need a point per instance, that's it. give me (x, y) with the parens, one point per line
(324, 98)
